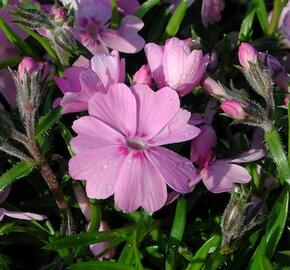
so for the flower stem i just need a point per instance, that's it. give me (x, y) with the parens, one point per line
(176, 234)
(277, 152)
(96, 216)
(277, 9)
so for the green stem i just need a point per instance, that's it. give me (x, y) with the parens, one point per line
(176, 234)
(277, 9)
(96, 216)
(277, 152)
(115, 19)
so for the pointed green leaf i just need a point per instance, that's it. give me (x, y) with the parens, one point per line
(262, 13)
(46, 122)
(247, 23)
(18, 171)
(146, 7)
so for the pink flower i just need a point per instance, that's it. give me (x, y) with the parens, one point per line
(143, 76)
(174, 65)
(211, 11)
(247, 54)
(86, 77)
(13, 214)
(233, 109)
(30, 65)
(118, 146)
(221, 175)
(93, 32)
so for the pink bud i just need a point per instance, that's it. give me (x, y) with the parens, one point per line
(286, 100)
(234, 109)
(247, 53)
(30, 65)
(213, 87)
(59, 14)
(143, 76)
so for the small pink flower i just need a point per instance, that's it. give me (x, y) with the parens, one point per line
(213, 87)
(30, 65)
(118, 146)
(174, 65)
(233, 109)
(13, 214)
(247, 54)
(143, 76)
(86, 77)
(211, 11)
(93, 32)
(221, 175)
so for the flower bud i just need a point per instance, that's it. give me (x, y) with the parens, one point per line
(213, 87)
(234, 109)
(30, 65)
(143, 76)
(247, 53)
(286, 100)
(59, 14)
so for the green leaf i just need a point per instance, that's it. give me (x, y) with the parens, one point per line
(93, 265)
(66, 135)
(85, 239)
(247, 23)
(44, 42)
(262, 14)
(10, 62)
(274, 228)
(176, 19)
(16, 40)
(115, 19)
(261, 262)
(200, 257)
(46, 122)
(146, 7)
(3, 3)
(18, 171)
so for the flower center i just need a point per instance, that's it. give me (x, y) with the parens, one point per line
(136, 143)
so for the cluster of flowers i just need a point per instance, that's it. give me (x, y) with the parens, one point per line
(119, 148)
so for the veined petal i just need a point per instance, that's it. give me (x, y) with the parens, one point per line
(249, 156)
(91, 83)
(24, 215)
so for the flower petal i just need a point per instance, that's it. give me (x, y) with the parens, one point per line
(117, 108)
(177, 170)
(249, 156)
(92, 134)
(100, 168)
(24, 215)
(140, 185)
(155, 109)
(91, 83)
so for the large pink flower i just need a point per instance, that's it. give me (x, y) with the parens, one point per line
(118, 146)
(93, 32)
(86, 77)
(174, 65)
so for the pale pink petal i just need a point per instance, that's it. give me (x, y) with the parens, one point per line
(117, 108)
(249, 156)
(24, 215)
(100, 168)
(128, 7)
(140, 185)
(82, 62)
(177, 170)
(91, 83)
(221, 176)
(177, 130)
(73, 102)
(154, 54)
(126, 38)
(92, 134)
(109, 68)
(155, 109)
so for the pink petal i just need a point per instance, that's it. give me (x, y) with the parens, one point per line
(126, 38)
(154, 54)
(117, 108)
(82, 62)
(100, 168)
(24, 215)
(92, 134)
(73, 102)
(91, 83)
(220, 176)
(140, 185)
(177, 130)
(177, 170)
(155, 109)
(109, 68)
(128, 7)
(249, 156)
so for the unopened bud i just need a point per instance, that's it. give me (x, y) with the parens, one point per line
(59, 14)
(143, 76)
(213, 87)
(29, 65)
(247, 54)
(64, 38)
(234, 109)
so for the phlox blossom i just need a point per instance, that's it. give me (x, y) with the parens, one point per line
(118, 146)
